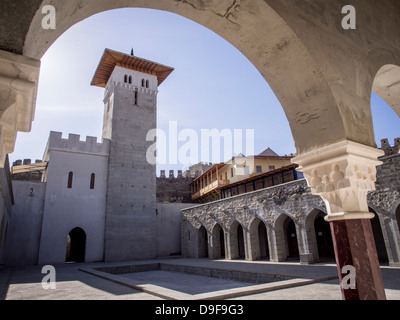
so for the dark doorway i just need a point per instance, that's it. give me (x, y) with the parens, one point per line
(324, 238)
(240, 238)
(203, 243)
(378, 237)
(263, 240)
(222, 242)
(76, 246)
(291, 238)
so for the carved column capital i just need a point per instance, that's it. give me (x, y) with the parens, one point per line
(342, 174)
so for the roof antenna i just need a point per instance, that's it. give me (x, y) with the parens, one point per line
(132, 52)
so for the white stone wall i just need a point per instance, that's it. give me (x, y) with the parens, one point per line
(26, 223)
(79, 206)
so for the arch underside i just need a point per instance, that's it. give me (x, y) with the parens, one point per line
(322, 107)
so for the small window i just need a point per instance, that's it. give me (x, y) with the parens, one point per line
(147, 83)
(92, 181)
(271, 167)
(136, 97)
(70, 179)
(143, 83)
(258, 169)
(232, 172)
(130, 79)
(126, 78)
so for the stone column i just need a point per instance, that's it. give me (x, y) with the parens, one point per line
(19, 77)
(342, 174)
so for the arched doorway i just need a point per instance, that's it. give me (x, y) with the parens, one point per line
(218, 242)
(203, 243)
(263, 241)
(292, 246)
(259, 248)
(324, 238)
(236, 241)
(240, 242)
(76, 246)
(378, 237)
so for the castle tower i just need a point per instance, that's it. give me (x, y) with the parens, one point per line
(130, 111)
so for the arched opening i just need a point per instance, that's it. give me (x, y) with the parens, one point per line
(292, 246)
(263, 241)
(386, 86)
(280, 67)
(236, 241)
(324, 238)
(76, 246)
(218, 242)
(126, 78)
(203, 243)
(258, 240)
(147, 84)
(378, 237)
(240, 242)
(130, 79)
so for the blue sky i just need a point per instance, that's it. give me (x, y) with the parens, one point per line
(213, 85)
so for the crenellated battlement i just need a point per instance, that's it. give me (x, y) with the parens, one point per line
(388, 149)
(73, 144)
(180, 174)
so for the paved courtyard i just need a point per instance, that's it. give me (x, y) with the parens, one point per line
(85, 282)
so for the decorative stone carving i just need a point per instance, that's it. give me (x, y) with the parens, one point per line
(18, 89)
(342, 174)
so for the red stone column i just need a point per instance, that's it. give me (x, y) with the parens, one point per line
(355, 246)
(342, 174)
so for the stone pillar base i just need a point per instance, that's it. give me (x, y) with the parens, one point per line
(306, 258)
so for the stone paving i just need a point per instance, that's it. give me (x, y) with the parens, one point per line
(312, 282)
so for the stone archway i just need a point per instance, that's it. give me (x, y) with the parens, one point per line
(218, 242)
(76, 246)
(237, 244)
(286, 242)
(321, 74)
(287, 60)
(386, 85)
(202, 242)
(319, 237)
(258, 240)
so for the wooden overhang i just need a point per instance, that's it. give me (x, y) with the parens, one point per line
(258, 176)
(111, 59)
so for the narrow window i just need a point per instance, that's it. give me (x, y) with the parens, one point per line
(136, 97)
(258, 169)
(147, 83)
(126, 78)
(232, 172)
(92, 181)
(143, 83)
(70, 178)
(130, 79)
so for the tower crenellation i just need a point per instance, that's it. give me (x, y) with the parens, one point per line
(74, 144)
(388, 149)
